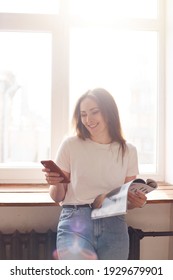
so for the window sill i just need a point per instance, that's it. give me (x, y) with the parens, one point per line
(38, 195)
(163, 194)
(25, 195)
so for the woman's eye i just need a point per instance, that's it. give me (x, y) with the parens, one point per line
(95, 112)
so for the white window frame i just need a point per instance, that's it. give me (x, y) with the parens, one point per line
(59, 26)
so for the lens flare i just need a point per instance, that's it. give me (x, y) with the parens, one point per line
(76, 251)
(78, 226)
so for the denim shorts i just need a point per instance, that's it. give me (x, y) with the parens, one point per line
(81, 238)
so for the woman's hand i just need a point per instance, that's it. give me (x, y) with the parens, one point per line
(97, 203)
(52, 178)
(137, 200)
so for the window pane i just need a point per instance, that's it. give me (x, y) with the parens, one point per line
(110, 9)
(25, 91)
(30, 6)
(124, 63)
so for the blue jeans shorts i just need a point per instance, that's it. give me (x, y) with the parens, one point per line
(81, 238)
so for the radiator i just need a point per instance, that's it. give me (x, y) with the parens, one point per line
(27, 246)
(42, 246)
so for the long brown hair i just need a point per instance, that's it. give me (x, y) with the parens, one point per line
(109, 110)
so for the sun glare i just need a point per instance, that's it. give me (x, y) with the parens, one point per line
(111, 9)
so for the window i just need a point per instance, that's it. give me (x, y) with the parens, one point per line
(57, 57)
(25, 96)
(111, 9)
(30, 6)
(125, 63)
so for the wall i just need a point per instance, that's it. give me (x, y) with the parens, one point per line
(151, 218)
(169, 91)
(27, 218)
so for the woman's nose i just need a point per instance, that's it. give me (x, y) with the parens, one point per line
(89, 119)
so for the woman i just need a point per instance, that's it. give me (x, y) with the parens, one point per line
(97, 160)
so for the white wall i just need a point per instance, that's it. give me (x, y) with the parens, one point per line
(153, 217)
(169, 91)
(27, 218)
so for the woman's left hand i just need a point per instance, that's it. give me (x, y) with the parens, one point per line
(97, 203)
(137, 200)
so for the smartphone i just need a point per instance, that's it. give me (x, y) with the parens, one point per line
(50, 164)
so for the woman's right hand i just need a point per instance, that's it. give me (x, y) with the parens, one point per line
(52, 178)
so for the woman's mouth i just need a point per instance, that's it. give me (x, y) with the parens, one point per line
(92, 125)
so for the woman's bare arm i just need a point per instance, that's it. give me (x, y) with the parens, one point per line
(57, 189)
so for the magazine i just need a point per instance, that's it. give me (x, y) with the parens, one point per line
(115, 202)
(141, 185)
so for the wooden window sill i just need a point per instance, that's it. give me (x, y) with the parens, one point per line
(38, 195)
(163, 194)
(25, 195)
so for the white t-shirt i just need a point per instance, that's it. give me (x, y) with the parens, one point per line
(94, 168)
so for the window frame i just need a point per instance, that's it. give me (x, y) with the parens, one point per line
(59, 26)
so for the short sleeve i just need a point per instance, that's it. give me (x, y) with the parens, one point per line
(62, 158)
(132, 169)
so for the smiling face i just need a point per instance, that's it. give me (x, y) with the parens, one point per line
(93, 120)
